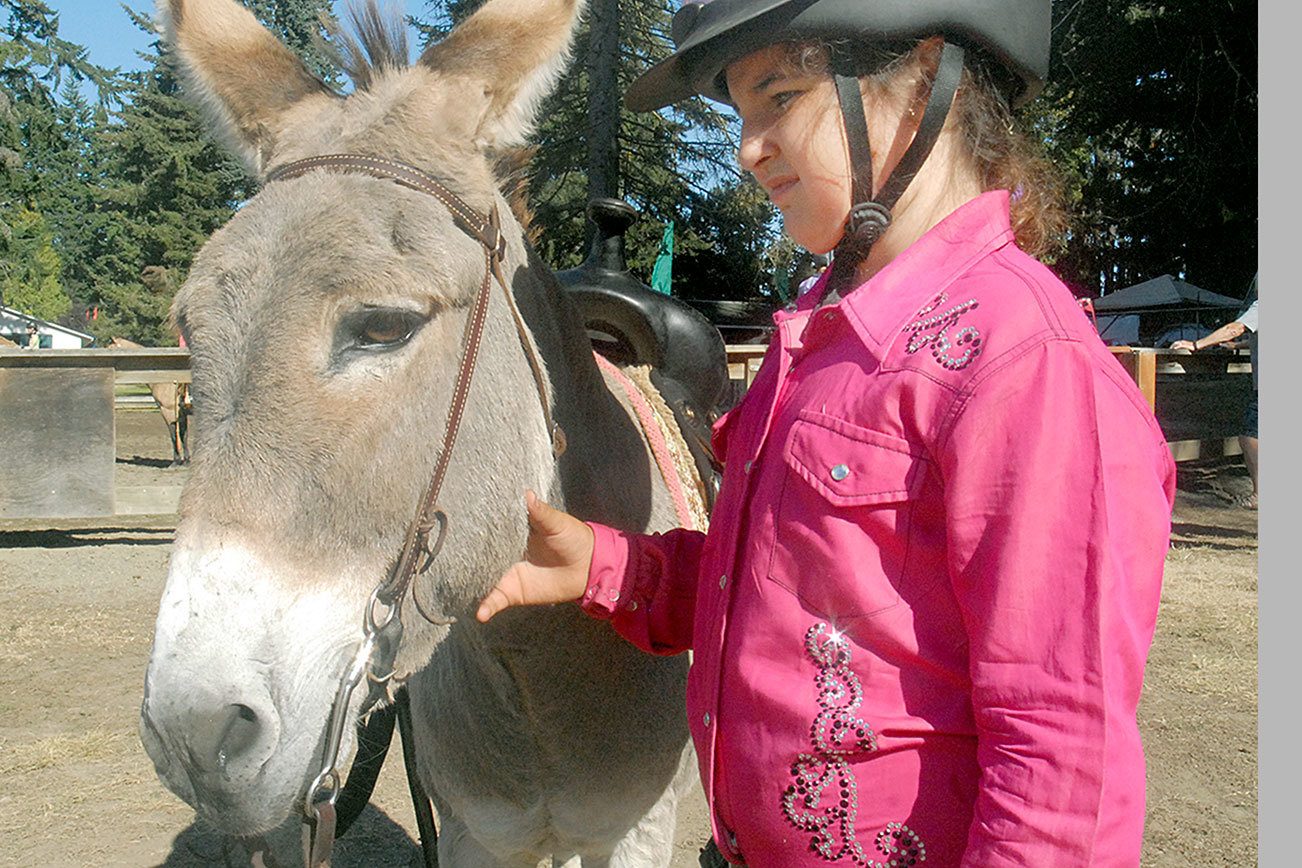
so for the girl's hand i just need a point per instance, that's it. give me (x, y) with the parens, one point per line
(555, 566)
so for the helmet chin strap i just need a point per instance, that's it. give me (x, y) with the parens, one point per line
(870, 217)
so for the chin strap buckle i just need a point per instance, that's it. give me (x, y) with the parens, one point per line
(867, 222)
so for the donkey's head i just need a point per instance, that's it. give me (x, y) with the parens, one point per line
(325, 322)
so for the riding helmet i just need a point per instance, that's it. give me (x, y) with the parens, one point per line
(711, 34)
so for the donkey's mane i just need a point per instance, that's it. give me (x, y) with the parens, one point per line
(375, 43)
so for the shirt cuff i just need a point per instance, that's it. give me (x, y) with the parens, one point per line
(608, 575)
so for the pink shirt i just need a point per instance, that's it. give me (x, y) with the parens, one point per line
(921, 615)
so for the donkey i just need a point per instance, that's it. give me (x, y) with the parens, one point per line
(539, 734)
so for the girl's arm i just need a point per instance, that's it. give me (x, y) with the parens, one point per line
(646, 586)
(1058, 496)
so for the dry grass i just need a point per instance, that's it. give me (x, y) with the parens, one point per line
(76, 621)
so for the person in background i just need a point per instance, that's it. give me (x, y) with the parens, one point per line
(1232, 331)
(820, 263)
(33, 337)
(920, 616)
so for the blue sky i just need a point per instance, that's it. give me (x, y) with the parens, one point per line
(110, 37)
(104, 28)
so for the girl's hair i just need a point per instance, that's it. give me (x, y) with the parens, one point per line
(1003, 157)
(1006, 158)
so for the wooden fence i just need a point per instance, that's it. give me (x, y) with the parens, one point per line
(58, 443)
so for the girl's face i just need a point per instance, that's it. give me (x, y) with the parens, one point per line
(793, 143)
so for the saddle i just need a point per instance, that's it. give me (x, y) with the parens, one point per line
(632, 325)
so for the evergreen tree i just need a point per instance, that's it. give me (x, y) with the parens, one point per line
(301, 25)
(29, 269)
(1152, 108)
(42, 139)
(676, 164)
(166, 185)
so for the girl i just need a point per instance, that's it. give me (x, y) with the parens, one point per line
(921, 615)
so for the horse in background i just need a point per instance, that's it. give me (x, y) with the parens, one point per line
(173, 400)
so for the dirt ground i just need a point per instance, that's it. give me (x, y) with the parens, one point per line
(77, 604)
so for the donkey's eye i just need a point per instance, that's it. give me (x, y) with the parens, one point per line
(386, 327)
(380, 328)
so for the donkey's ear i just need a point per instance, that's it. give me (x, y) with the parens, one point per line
(515, 49)
(241, 75)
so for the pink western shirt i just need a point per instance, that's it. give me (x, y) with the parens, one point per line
(921, 615)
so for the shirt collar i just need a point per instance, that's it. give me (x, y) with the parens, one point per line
(879, 308)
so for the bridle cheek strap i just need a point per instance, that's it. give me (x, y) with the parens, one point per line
(421, 544)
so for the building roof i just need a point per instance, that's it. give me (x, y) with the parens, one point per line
(13, 313)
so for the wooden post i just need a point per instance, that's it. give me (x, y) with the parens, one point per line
(1141, 364)
(1146, 375)
(57, 430)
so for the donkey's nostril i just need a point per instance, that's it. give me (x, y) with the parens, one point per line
(224, 737)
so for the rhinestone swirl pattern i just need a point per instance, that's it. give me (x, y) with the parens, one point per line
(932, 329)
(824, 798)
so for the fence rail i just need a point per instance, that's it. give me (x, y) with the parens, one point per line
(60, 442)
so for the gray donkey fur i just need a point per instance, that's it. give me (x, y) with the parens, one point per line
(541, 733)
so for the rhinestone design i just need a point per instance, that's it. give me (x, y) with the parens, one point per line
(933, 328)
(824, 799)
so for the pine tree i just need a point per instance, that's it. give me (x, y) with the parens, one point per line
(1152, 108)
(676, 164)
(42, 140)
(29, 270)
(166, 185)
(299, 23)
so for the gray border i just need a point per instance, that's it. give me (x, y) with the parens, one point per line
(1279, 597)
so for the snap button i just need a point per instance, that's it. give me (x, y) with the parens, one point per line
(706, 717)
(632, 607)
(723, 580)
(840, 472)
(829, 316)
(614, 595)
(746, 468)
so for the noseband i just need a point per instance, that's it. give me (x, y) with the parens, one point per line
(382, 622)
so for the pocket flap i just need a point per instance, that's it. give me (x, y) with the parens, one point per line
(853, 466)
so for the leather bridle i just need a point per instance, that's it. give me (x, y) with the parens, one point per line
(382, 622)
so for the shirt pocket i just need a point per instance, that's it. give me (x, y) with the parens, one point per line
(844, 520)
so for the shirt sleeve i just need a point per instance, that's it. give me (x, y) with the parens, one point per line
(1058, 496)
(645, 585)
(1249, 318)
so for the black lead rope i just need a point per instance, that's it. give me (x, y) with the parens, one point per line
(869, 216)
(373, 740)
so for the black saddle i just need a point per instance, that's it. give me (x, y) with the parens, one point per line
(631, 324)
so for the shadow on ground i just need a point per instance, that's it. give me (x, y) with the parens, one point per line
(374, 840)
(90, 537)
(156, 463)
